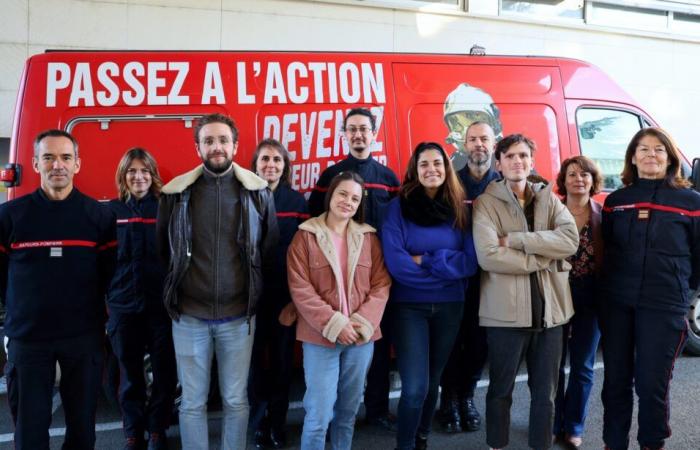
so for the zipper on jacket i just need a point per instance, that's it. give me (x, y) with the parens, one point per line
(216, 247)
(245, 226)
(646, 243)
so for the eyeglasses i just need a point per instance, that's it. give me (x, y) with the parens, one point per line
(362, 130)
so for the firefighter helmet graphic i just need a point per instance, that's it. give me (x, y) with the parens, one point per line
(463, 106)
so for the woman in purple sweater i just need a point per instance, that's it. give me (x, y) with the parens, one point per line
(429, 252)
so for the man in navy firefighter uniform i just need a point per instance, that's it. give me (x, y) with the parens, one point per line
(463, 370)
(381, 185)
(56, 259)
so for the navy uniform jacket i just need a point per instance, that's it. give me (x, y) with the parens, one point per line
(475, 188)
(381, 185)
(56, 260)
(138, 279)
(652, 246)
(291, 211)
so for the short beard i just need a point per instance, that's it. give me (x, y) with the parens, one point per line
(362, 151)
(478, 163)
(217, 169)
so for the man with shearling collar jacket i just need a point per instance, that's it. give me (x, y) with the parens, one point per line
(216, 231)
(522, 235)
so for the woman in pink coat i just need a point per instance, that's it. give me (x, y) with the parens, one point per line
(340, 287)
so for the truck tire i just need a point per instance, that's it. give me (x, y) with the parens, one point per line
(692, 346)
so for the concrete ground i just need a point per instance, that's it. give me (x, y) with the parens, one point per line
(685, 421)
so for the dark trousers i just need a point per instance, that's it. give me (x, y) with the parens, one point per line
(378, 383)
(271, 372)
(424, 334)
(640, 347)
(468, 357)
(132, 336)
(581, 337)
(31, 369)
(542, 352)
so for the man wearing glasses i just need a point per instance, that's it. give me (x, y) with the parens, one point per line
(381, 185)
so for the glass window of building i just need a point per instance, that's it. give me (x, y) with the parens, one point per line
(419, 2)
(686, 23)
(628, 17)
(569, 9)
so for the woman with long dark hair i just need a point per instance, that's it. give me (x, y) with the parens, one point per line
(429, 252)
(273, 349)
(651, 232)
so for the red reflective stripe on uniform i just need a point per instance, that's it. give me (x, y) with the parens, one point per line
(109, 244)
(648, 205)
(63, 243)
(293, 214)
(669, 376)
(136, 220)
(382, 186)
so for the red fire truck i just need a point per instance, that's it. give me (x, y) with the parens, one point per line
(112, 101)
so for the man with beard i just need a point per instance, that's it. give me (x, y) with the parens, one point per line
(381, 185)
(216, 230)
(56, 260)
(463, 370)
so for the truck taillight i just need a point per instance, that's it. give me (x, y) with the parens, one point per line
(10, 174)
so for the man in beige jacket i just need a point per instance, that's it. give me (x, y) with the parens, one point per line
(522, 234)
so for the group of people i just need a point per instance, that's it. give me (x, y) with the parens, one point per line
(449, 268)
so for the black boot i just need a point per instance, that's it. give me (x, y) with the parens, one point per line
(450, 420)
(421, 442)
(471, 420)
(278, 437)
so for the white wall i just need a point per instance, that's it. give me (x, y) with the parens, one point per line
(660, 72)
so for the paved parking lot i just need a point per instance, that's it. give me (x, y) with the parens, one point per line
(685, 420)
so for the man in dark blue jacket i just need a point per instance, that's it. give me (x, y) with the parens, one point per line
(463, 370)
(56, 259)
(381, 185)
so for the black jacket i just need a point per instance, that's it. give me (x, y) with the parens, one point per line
(291, 211)
(256, 235)
(651, 234)
(56, 260)
(381, 185)
(138, 278)
(475, 188)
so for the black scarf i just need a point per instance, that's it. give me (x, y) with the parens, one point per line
(425, 211)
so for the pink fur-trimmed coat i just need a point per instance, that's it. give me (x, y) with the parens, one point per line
(313, 272)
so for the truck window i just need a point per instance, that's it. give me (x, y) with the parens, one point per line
(104, 139)
(603, 136)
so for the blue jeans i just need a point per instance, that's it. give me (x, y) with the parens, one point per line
(571, 407)
(195, 344)
(424, 334)
(335, 380)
